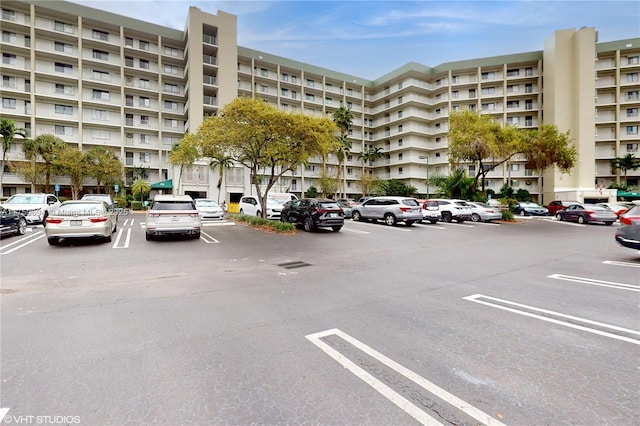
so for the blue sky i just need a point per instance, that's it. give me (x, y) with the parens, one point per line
(371, 38)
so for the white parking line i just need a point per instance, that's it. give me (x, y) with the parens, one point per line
(126, 241)
(389, 393)
(208, 238)
(433, 226)
(381, 225)
(475, 298)
(356, 231)
(616, 263)
(611, 284)
(566, 223)
(4, 249)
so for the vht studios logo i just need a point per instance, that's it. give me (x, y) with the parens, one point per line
(8, 419)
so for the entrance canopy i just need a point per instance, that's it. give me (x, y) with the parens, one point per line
(165, 184)
(627, 194)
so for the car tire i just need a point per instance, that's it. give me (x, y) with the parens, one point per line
(259, 213)
(459, 220)
(196, 236)
(446, 217)
(53, 241)
(336, 228)
(355, 216)
(408, 222)
(475, 217)
(44, 218)
(559, 217)
(107, 239)
(581, 219)
(433, 222)
(608, 223)
(115, 227)
(523, 213)
(307, 223)
(148, 236)
(22, 226)
(390, 219)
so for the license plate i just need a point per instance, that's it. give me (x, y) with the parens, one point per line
(175, 218)
(333, 214)
(76, 223)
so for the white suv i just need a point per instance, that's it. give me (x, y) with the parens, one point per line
(172, 215)
(457, 210)
(35, 207)
(250, 205)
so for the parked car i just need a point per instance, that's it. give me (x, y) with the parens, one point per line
(587, 213)
(172, 215)
(618, 209)
(628, 233)
(34, 207)
(481, 212)
(81, 219)
(209, 209)
(346, 208)
(348, 201)
(430, 211)
(313, 213)
(555, 206)
(250, 205)
(528, 208)
(12, 222)
(282, 197)
(106, 198)
(457, 210)
(390, 209)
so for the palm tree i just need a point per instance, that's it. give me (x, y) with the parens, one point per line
(47, 147)
(626, 163)
(343, 119)
(371, 154)
(222, 162)
(8, 131)
(140, 187)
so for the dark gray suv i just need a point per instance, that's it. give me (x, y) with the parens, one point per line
(389, 209)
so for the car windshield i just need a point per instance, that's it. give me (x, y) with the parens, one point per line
(26, 199)
(172, 205)
(80, 209)
(528, 204)
(410, 202)
(206, 203)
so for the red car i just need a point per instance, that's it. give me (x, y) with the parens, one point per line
(555, 206)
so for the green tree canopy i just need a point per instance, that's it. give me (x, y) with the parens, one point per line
(626, 163)
(104, 166)
(72, 162)
(8, 131)
(140, 188)
(268, 141)
(185, 153)
(45, 148)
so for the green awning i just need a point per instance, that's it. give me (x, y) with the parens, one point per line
(165, 184)
(627, 194)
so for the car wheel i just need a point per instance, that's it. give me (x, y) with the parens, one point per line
(107, 239)
(433, 222)
(608, 223)
(44, 218)
(259, 213)
(475, 217)
(308, 224)
(523, 213)
(336, 228)
(53, 241)
(196, 236)
(148, 236)
(355, 216)
(22, 226)
(389, 219)
(459, 220)
(559, 216)
(408, 222)
(446, 217)
(580, 219)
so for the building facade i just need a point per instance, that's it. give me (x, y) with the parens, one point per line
(95, 78)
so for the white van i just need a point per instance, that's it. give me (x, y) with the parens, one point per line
(282, 197)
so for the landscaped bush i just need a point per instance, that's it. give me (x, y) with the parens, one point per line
(266, 224)
(507, 215)
(137, 205)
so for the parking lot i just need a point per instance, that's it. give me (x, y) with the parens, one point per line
(532, 322)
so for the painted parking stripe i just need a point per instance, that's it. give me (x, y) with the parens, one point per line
(356, 231)
(433, 226)
(389, 393)
(548, 316)
(126, 240)
(208, 238)
(611, 284)
(566, 223)
(6, 249)
(616, 263)
(381, 225)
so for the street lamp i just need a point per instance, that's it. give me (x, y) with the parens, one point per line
(426, 157)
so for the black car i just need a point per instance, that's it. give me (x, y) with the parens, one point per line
(313, 213)
(13, 222)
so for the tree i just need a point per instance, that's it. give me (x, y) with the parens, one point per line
(185, 153)
(343, 119)
(8, 131)
(624, 164)
(368, 182)
(328, 184)
(104, 166)
(222, 162)
(371, 154)
(140, 188)
(456, 185)
(46, 148)
(72, 162)
(396, 187)
(268, 141)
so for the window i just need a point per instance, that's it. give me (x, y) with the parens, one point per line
(128, 101)
(456, 107)
(64, 68)
(8, 58)
(528, 104)
(144, 101)
(349, 171)
(455, 94)
(64, 130)
(144, 157)
(100, 54)
(489, 91)
(170, 87)
(171, 123)
(171, 51)
(488, 75)
(528, 72)
(632, 77)
(632, 147)
(9, 103)
(400, 156)
(171, 105)
(400, 128)
(513, 73)
(8, 37)
(64, 109)
(285, 77)
(472, 93)
(100, 75)
(632, 130)
(100, 35)
(144, 120)
(349, 105)
(328, 101)
(128, 41)
(264, 72)
(489, 107)
(399, 170)
(400, 114)
(8, 81)
(144, 83)
(128, 61)
(294, 94)
(633, 60)
(102, 95)
(400, 142)
(349, 92)
(144, 64)
(632, 112)
(100, 134)
(513, 104)
(143, 45)
(310, 96)
(264, 88)
(128, 158)
(438, 125)
(170, 69)
(513, 88)
(513, 120)
(62, 47)
(399, 99)
(514, 167)
(632, 95)
(9, 15)
(61, 26)
(284, 92)
(100, 114)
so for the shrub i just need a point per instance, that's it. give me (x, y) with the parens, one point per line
(507, 215)
(122, 202)
(137, 205)
(265, 224)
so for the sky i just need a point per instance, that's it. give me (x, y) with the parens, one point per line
(370, 38)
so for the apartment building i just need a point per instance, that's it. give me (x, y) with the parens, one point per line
(95, 78)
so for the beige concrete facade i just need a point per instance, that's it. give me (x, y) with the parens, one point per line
(92, 77)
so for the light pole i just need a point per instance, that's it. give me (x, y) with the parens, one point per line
(426, 157)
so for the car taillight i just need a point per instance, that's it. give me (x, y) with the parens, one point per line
(193, 214)
(321, 211)
(589, 212)
(628, 220)
(54, 220)
(98, 219)
(405, 209)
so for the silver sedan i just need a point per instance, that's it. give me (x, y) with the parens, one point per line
(484, 212)
(81, 219)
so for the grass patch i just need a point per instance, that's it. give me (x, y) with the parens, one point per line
(273, 226)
